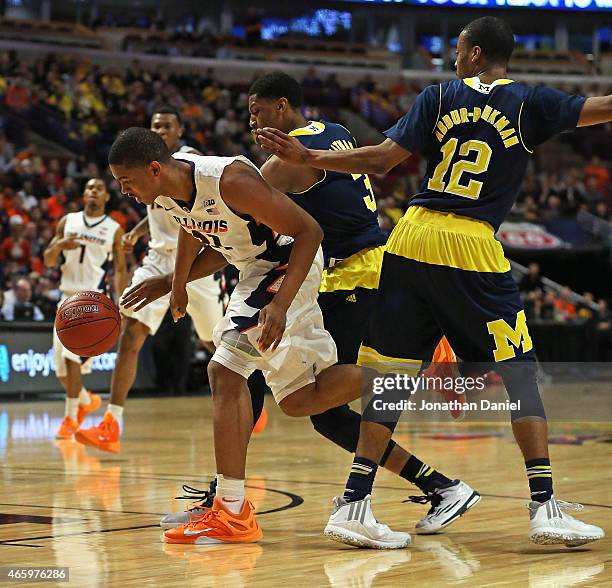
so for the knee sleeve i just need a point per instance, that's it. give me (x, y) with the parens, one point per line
(258, 388)
(340, 425)
(384, 409)
(520, 380)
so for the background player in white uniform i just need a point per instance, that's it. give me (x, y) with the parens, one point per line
(205, 308)
(88, 241)
(272, 322)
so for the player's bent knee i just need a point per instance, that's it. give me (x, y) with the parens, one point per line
(223, 381)
(133, 335)
(297, 404)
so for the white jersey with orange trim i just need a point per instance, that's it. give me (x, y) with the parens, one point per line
(249, 245)
(85, 268)
(162, 227)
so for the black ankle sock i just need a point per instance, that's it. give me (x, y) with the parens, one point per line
(539, 475)
(422, 475)
(361, 478)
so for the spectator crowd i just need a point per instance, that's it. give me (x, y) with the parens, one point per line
(81, 107)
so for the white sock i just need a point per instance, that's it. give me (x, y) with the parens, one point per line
(72, 407)
(116, 411)
(231, 493)
(84, 396)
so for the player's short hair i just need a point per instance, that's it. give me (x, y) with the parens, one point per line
(168, 110)
(277, 85)
(494, 36)
(137, 147)
(97, 179)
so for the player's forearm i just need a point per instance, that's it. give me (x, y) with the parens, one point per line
(141, 228)
(51, 255)
(305, 246)
(362, 160)
(187, 250)
(596, 110)
(206, 263)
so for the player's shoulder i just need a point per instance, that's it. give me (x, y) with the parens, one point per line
(189, 149)
(72, 216)
(313, 128)
(211, 167)
(112, 223)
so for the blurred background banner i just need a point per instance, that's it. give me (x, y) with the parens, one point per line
(27, 364)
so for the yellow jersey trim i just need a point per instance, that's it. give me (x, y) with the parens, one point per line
(519, 129)
(360, 270)
(448, 239)
(369, 357)
(471, 82)
(315, 184)
(308, 130)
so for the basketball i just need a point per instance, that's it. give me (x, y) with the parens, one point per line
(88, 323)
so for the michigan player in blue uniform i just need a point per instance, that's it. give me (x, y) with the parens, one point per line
(345, 207)
(443, 270)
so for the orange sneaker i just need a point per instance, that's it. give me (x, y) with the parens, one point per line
(104, 437)
(85, 409)
(218, 526)
(67, 429)
(262, 421)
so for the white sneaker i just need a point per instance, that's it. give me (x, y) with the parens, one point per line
(353, 523)
(203, 501)
(550, 526)
(447, 505)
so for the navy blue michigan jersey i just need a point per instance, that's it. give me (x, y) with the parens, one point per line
(477, 139)
(343, 204)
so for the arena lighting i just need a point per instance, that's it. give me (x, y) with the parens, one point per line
(569, 5)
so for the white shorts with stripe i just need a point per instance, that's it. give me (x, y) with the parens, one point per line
(306, 348)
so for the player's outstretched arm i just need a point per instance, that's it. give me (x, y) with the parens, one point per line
(119, 264)
(374, 159)
(58, 244)
(245, 191)
(187, 250)
(206, 263)
(596, 110)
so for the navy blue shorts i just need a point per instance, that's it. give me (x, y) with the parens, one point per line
(480, 313)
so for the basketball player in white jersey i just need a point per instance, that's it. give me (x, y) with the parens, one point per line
(205, 308)
(229, 214)
(88, 241)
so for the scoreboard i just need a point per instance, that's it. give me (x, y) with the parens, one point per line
(567, 5)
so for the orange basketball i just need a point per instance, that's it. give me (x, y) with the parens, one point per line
(88, 323)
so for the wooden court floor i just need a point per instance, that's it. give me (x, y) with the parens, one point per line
(64, 505)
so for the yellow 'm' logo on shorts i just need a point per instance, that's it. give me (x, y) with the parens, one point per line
(507, 339)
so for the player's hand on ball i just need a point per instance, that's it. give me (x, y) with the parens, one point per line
(146, 292)
(178, 302)
(128, 240)
(67, 243)
(288, 148)
(272, 320)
